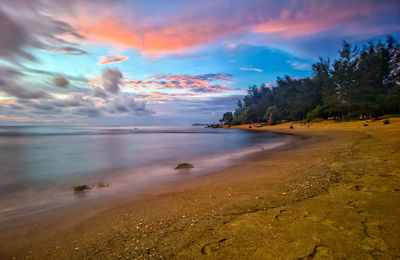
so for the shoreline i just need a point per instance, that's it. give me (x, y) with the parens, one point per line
(124, 183)
(259, 207)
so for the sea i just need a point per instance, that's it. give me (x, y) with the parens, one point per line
(41, 165)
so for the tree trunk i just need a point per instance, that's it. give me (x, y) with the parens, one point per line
(270, 119)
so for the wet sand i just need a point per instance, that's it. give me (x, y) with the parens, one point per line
(333, 194)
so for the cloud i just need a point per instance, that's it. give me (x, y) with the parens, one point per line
(26, 70)
(60, 27)
(9, 84)
(194, 84)
(251, 69)
(312, 17)
(29, 24)
(99, 92)
(196, 24)
(15, 118)
(159, 39)
(164, 86)
(60, 81)
(88, 111)
(68, 50)
(112, 59)
(125, 103)
(13, 39)
(12, 88)
(170, 87)
(160, 96)
(111, 79)
(71, 101)
(299, 65)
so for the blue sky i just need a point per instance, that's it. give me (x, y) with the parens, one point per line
(106, 62)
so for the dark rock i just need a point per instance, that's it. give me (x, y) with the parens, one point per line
(184, 166)
(82, 188)
(386, 122)
(102, 185)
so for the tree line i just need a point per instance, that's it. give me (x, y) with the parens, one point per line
(362, 81)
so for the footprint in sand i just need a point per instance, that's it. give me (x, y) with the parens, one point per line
(318, 251)
(356, 203)
(280, 216)
(208, 248)
(360, 188)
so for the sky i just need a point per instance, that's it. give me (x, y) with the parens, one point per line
(114, 62)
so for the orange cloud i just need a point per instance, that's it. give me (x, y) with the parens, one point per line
(172, 37)
(8, 101)
(111, 59)
(24, 119)
(108, 29)
(206, 22)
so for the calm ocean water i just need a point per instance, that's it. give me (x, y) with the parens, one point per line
(39, 166)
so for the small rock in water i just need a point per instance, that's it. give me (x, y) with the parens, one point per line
(81, 188)
(184, 166)
(386, 122)
(102, 185)
(291, 127)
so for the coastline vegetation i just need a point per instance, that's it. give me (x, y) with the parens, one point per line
(359, 84)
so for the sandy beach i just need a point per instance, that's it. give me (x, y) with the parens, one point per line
(332, 193)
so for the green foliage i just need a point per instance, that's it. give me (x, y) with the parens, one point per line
(227, 118)
(358, 82)
(317, 120)
(320, 111)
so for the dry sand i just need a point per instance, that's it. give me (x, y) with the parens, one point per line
(335, 194)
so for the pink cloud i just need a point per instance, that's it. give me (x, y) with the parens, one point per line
(160, 96)
(314, 19)
(207, 22)
(111, 59)
(194, 84)
(168, 87)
